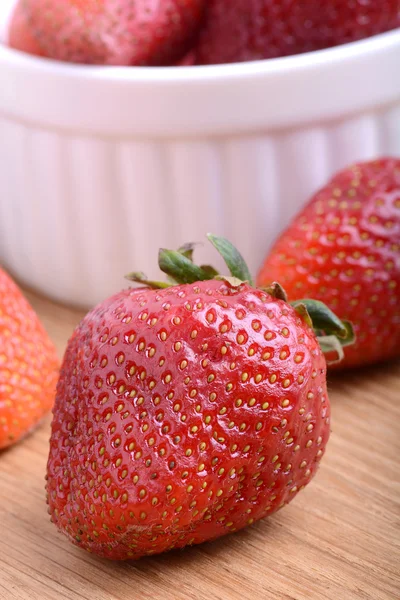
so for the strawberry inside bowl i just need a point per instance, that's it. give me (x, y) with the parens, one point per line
(102, 164)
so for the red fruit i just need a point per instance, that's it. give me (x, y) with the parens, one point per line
(184, 414)
(344, 249)
(187, 61)
(114, 32)
(28, 365)
(20, 36)
(241, 30)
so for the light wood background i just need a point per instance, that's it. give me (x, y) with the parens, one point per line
(339, 540)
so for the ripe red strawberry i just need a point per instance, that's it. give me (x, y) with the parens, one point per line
(240, 30)
(187, 412)
(20, 35)
(344, 249)
(114, 32)
(28, 365)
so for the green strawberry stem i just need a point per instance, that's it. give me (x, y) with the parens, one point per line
(210, 270)
(141, 278)
(322, 317)
(232, 257)
(333, 334)
(180, 268)
(187, 250)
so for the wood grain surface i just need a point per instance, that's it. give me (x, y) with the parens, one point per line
(339, 540)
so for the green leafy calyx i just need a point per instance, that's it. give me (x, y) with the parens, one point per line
(333, 334)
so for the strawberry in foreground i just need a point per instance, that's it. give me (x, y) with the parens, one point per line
(111, 32)
(187, 412)
(344, 249)
(242, 30)
(28, 365)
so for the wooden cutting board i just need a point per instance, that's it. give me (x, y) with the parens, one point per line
(339, 540)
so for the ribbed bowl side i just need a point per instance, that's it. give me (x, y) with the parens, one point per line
(78, 212)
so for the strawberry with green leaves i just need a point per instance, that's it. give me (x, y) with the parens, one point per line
(108, 32)
(187, 410)
(28, 365)
(344, 249)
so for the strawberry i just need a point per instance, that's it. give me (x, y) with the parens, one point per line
(344, 248)
(20, 36)
(241, 30)
(186, 412)
(113, 32)
(28, 365)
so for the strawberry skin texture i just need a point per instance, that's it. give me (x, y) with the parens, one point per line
(28, 365)
(242, 30)
(344, 249)
(20, 36)
(183, 415)
(114, 32)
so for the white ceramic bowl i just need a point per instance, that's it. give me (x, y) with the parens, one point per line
(99, 166)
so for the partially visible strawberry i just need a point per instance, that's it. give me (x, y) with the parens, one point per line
(187, 61)
(187, 412)
(344, 249)
(20, 36)
(114, 32)
(242, 30)
(28, 365)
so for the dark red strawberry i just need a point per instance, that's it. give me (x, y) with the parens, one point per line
(241, 30)
(113, 32)
(187, 412)
(344, 249)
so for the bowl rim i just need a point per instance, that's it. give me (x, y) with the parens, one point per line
(202, 101)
